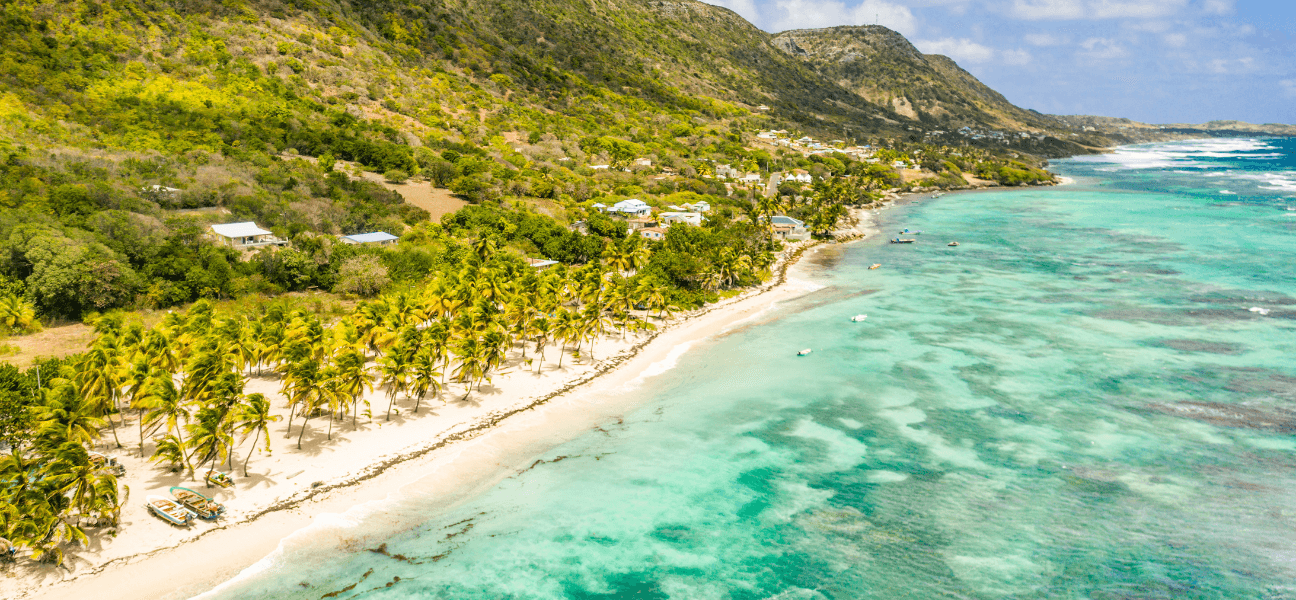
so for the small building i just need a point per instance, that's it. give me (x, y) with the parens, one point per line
(540, 263)
(789, 229)
(631, 208)
(800, 176)
(671, 218)
(580, 227)
(727, 172)
(643, 162)
(653, 233)
(599, 206)
(244, 235)
(378, 238)
(638, 223)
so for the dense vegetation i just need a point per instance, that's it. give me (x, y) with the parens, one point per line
(128, 127)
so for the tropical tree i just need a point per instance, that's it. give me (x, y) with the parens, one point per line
(252, 420)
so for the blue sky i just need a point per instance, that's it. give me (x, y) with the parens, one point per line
(1159, 61)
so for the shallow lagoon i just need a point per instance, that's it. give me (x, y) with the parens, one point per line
(1091, 397)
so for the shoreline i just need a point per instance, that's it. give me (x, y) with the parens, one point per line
(467, 457)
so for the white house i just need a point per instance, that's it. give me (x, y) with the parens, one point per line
(752, 178)
(800, 176)
(631, 208)
(643, 162)
(727, 172)
(379, 238)
(244, 235)
(671, 218)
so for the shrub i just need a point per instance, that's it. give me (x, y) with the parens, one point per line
(396, 176)
(363, 275)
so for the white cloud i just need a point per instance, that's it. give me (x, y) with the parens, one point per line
(1015, 57)
(1038, 10)
(1102, 48)
(1227, 66)
(961, 50)
(813, 14)
(1288, 87)
(1045, 39)
(1218, 7)
(1176, 40)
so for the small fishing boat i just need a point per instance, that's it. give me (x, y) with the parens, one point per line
(804, 352)
(168, 510)
(903, 241)
(952, 244)
(103, 461)
(915, 232)
(875, 265)
(201, 505)
(858, 318)
(218, 479)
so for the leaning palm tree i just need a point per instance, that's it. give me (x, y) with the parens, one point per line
(253, 419)
(394, 368)
(97, 380)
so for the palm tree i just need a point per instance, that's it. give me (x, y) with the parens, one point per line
(566, 329)
(541, 329)
(165, 407)
(253, 419)
(91, 490)
(353, 378)
(97, 378)
(395, 368)
(425, 375)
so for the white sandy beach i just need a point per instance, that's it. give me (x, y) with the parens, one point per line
(457, 447)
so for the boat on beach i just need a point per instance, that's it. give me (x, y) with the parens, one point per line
(218, 479)
(200, 505)
(7, 549)
(903, 241)
(169, 510)
(858, 318)
(804, 352)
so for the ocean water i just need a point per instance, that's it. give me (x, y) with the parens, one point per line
(1092, 397)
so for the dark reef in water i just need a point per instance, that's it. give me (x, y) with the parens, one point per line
(1274, 419)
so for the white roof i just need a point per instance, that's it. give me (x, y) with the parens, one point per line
(235, 230)
(369, 238)
(631, 204)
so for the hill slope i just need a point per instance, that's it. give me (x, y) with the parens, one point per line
(882, 66)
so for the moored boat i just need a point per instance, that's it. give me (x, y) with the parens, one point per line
(858, 318)
(952, 244)
(200, 505)
(874, 266)
(804, 352)
(219, 479)
(903, 241)
(169, 510)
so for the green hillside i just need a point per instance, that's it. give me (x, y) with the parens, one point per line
(126, 127)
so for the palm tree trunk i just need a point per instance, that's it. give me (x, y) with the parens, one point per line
(391, 400)
(303, 431)
(292, 410)
(248, 460)
(355, 410)
(332, 417)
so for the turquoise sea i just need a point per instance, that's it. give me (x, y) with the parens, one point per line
(1092, 397)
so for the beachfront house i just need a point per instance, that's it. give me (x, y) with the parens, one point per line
(631, 208)
(652, 233)
(376, 238)
(241, 236)
(789, 229)
(671, 218)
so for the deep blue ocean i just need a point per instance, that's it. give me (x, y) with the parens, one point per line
(1092, 397)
